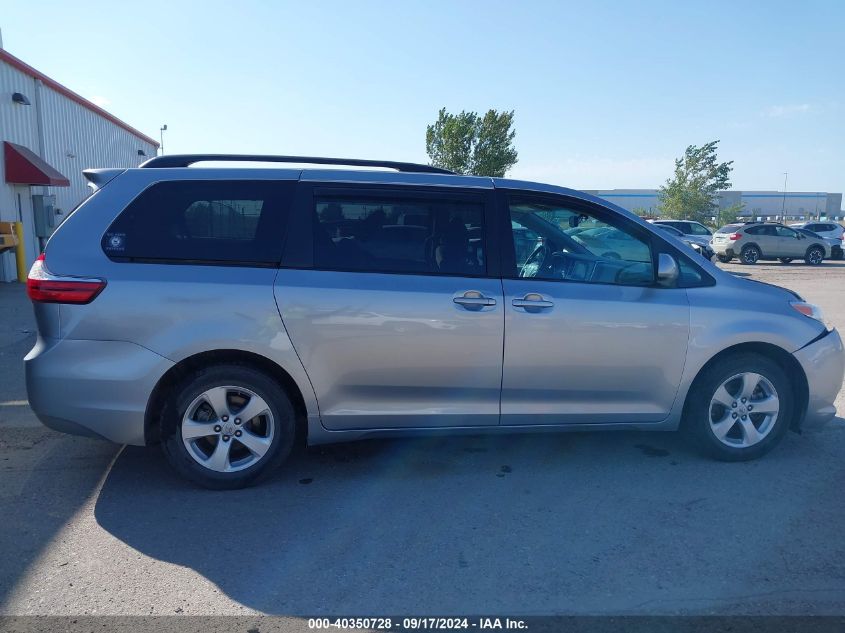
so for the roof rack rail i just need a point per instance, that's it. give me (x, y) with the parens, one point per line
(185, 160)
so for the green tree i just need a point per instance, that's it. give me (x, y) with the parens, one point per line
(691, 192)
(468, 143)
(729, 214)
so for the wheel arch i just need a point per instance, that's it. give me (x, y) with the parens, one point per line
(165, 385)
(787, 362)
(754, 244)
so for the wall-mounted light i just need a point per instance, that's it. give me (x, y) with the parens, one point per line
(70, 154)
(141, 152)
(18, 97)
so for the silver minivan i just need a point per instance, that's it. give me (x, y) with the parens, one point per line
(224, 312)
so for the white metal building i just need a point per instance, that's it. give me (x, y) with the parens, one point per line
(759, 205)
(49, 135)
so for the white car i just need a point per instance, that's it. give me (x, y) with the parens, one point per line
(833, 232)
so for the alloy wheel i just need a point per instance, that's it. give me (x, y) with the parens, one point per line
(744, 410)
(750, 255)
(227, 429)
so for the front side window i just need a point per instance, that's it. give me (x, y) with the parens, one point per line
(202, 221)
(782, 231)
(398, 234)
(697, 229)
(556, 242)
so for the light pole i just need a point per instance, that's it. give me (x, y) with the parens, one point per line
(783, 204)
(161, 131)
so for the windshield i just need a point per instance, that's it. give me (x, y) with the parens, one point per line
(730, 228)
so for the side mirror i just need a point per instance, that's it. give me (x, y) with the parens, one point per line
(799, 236)
(667, 270)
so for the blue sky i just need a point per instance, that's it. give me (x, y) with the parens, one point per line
(606, 93)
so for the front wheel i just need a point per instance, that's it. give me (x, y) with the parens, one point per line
(784, 260)
(739, 407)
(227, 426)
(814, 256)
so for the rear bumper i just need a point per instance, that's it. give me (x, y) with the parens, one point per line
(824, 365)
(94, 388)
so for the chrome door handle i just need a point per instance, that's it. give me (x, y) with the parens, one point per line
(474, 300)
(532, 301)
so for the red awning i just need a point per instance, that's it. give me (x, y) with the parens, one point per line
(25, 167)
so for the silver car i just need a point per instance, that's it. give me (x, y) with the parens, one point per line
(223, 313)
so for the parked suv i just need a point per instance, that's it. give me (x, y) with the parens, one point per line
(702, 249)
(223, 312)
(688, 227)
(767, 240)
(828, 230)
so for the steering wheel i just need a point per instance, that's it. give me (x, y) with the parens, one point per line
(536, 261)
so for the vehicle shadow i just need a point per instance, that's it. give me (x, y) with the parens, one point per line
(531, 523)
(47, 477)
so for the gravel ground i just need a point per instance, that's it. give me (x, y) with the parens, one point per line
(573, 523)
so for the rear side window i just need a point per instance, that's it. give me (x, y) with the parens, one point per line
(394, 233)
(761, 230)
(678, 226)
(203, 221)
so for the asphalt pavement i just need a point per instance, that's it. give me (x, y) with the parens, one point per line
(586, 523)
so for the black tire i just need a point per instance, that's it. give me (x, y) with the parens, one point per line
(724, 258)
(749, 254)
(814, 256)
(784, 260)
(697, 411)
(186, 393)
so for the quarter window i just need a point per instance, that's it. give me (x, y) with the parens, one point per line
(202, 222)
(427, 235)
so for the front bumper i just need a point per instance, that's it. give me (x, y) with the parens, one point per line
(94, 388)
(824, 365)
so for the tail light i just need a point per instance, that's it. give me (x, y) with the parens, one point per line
(734, 237)
(42, 286)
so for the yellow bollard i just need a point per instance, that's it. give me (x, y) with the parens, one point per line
(20, 257)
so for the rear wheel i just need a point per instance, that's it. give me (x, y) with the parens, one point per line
(740, 407)
(814, 256)
(227, 426)
(749, 255)
(724, 258)
(785, 260)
